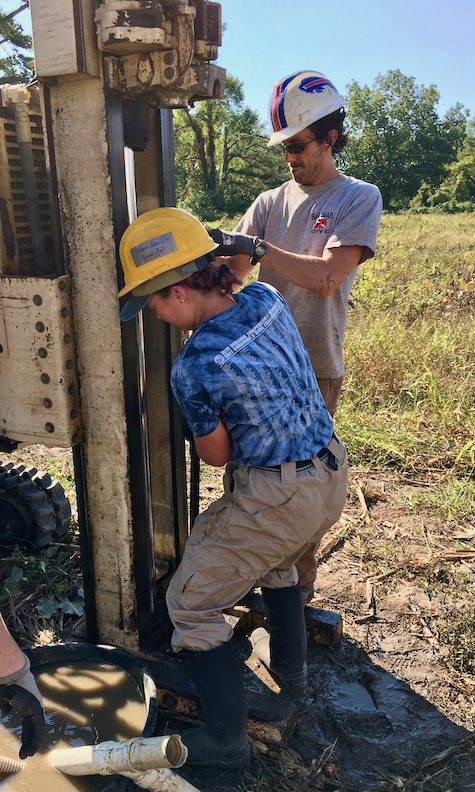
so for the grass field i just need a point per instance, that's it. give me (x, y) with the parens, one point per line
(409, 393)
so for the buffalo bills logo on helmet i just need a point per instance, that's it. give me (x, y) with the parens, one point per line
(276, 108)
(316, 84)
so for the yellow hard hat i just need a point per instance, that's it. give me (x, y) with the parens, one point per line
(158, 249)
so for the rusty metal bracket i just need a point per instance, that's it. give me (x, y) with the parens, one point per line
(162, 50)
(139, 75)
(125, 26)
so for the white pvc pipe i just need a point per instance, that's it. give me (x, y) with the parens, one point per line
(160, 781)
(137, 759)
(107, 758)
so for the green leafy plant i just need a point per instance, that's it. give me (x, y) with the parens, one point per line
(11, 586)
(51, 605)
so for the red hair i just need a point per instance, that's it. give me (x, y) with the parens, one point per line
(211, 277)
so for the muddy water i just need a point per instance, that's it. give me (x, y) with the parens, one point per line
(85, 703)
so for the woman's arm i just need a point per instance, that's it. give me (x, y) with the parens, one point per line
(215, 448)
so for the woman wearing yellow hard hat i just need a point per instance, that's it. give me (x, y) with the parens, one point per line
(248, 392)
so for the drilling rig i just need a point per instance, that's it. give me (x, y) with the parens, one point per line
(83, 152)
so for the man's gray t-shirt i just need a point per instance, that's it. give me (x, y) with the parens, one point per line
(343, 211)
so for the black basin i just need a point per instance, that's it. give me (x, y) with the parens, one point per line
(96, 653)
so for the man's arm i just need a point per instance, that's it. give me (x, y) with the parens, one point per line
(18, 691)
(240, 264)
(215, 448)
(11, 657)
(322, 275)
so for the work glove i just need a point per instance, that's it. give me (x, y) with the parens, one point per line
(232, 244)
(19, 692)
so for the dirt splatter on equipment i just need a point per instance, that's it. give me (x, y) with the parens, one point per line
(92, 148)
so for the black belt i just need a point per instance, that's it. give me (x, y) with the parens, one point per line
(323, 454)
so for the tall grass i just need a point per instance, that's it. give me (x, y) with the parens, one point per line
(409, 392)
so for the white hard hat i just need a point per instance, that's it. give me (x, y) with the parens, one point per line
(297, 101)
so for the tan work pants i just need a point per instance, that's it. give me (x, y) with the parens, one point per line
(251, 536)
(307, 564)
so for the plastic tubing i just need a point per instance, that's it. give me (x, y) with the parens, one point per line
(143, 759)
(160, 781)
(107, 758)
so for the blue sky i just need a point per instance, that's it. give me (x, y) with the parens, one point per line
(348, 40)
(265, 40)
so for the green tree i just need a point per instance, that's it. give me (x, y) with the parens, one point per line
(14, 67)
(457, 191)
(221, 156)
(397, 140)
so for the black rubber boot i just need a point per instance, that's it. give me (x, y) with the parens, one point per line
(283, 647)
(222, 741)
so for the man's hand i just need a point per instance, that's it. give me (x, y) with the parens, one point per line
(232, 244)
(19, 692)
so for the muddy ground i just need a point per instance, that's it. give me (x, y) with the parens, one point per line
(393, 706)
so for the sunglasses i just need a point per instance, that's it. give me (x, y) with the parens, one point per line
(295, 148)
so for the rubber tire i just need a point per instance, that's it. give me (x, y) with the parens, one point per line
(56, 496)
(37, 503)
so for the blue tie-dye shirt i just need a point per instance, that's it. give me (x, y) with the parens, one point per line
(248, 366)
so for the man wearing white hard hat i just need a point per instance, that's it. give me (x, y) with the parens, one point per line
(312, 232)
